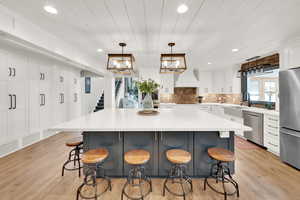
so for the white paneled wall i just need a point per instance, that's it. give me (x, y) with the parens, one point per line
(36, 94)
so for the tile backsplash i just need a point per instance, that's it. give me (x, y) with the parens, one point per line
(222, 98)
(207, 98)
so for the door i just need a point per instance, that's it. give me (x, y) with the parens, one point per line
(4, 108)
(113, 142)
(34, 98)
(17, 123)
(289, 88)
(174, 140)
(5, 72)
(59, 96)
(290, 147)
(45, 95)
(147, 141)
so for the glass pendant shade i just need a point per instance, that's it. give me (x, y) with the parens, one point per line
(172, 62)
(120, 63)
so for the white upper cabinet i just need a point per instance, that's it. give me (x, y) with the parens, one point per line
(167, 83)
(205, 79)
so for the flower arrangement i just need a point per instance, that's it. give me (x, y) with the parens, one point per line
(147, 86)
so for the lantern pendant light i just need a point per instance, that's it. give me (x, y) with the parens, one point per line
(172, 62)
(120, 63)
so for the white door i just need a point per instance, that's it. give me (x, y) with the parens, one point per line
(17, 126)
(17, 65)
(4, 107)
(4, 69)
(34, 98)
(46, 97)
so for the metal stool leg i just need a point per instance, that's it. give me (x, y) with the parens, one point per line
(90, 179)
(220, 174)
(137, 173)
(178, 172)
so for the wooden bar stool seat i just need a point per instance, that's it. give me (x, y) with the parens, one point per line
(74, 142)
(178, 156)
(177, 175)
(137, 157)
(220, 154)
(136, 176)
(74, 155)
(220, 171)
(93, 160)
(94, 156)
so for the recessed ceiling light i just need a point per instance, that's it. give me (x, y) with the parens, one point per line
(99, 50)
(235, 50)
(182, 8)
(209, 63)
(50, 9)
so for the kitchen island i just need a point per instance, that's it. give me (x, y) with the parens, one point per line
(121, 130)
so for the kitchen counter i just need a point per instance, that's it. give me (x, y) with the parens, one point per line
(252, 109)
(181, 127)
(183, 118)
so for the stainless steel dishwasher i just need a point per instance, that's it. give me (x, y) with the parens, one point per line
(255, 121)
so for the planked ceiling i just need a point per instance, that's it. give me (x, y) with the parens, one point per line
(207, 32)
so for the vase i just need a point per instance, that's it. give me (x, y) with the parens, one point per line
(147, 102)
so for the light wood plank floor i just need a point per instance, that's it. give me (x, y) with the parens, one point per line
(34, 173)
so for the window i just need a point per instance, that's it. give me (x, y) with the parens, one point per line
(263, 87)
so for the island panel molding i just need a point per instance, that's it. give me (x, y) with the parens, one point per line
(157, 143)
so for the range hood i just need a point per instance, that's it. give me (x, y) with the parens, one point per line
(187, 79)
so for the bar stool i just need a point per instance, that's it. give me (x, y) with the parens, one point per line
(136, 176)
(74, 155)
(177, 175)
(221, 172)
(93, 160)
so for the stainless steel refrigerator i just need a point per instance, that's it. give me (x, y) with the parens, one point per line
(289, 94)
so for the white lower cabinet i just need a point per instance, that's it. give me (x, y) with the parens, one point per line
(271, 133)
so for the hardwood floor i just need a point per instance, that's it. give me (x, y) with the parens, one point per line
(34, 173)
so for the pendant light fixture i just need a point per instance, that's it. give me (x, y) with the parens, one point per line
(172, 62)
(120, 63)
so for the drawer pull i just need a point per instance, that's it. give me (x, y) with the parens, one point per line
(271, 119)
(272, 126)
(274, 145)
(272, 134)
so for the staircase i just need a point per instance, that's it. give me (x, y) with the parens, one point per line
(100, 104)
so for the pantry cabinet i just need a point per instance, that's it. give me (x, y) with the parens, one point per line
(36, 93)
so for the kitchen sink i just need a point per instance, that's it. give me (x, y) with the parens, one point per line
(235, 111)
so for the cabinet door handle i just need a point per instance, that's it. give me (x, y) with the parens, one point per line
(161, 136)
(272, 134)
(10, 101)
(274, 145)
(155, 136)
(63, 98)
(44, 98)
(9, 71)
(119, 136)
(14, 70)
(41, 99)
(275, 120)
(60, 98)
(272, 127)
(15, 99)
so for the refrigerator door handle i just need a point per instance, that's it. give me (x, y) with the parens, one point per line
(287, 133)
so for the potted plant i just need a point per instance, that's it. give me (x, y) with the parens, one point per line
(147, 87)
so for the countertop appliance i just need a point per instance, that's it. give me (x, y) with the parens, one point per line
(289, 87)
(255, 121)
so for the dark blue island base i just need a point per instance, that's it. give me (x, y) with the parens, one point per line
(157, 143)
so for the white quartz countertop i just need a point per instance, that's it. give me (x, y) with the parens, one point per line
(251, 109)
(169, 119)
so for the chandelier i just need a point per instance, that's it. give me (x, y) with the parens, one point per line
(172, 62)
(120, 63)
